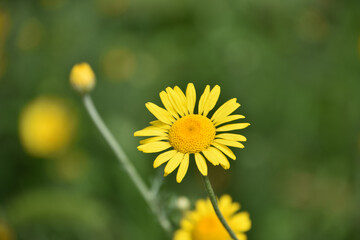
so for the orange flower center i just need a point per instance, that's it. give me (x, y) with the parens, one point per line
(192, 134)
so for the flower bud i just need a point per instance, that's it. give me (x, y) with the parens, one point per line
(82, 78)
(183, 203)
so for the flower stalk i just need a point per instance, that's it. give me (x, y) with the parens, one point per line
(213, 200)
(145, 192)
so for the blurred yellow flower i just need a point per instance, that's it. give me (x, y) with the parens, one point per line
(5, 232)
(30, 34)
(52, 4)
(112, 8)
(72, 165)
(4, 32)
(4, 26)
(119, 64)
(313, 26)
(189, 133)
(203, 224)
(46, 126)
(82, 77)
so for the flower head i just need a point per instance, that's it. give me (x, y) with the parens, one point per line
(203, 224)
(82, 77)
(188, 133)
(45, 126)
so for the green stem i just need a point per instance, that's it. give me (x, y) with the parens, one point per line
(149, 198)
(213, 200)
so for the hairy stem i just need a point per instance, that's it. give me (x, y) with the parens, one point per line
(126, 163)
(213, 200)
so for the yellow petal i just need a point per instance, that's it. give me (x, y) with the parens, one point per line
(186, 224)
(201, 164)
(229, 118)
(173, 163)
(211, 100)
(234, 126)
(225, 202)
(160, 124)
(182, 235)
(183, 168)
(182, 98)
(167, 104)
(153, 139)
(225, 110)
(229, 143)
(227, 207)
(154, 147)
(210, 156)
(232, 137)
(240, 236)
(224, 149)
(241, 222)
(203, 99)
(151, 131)
(220, 157)
(164, 157)
(201, 206)
(175, 100)
(160, 113)
(191, 97)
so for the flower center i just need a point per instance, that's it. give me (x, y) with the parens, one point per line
(192, 134)
(209, 228)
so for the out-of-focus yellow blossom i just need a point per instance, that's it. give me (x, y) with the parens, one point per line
(5, 232)
(112, 8)
(203, 224)
(4, 31)
(4, 27)
(30, 35)
(82, 77)
(313, 26)
(72, 165)
(46, 126)
(119, 64)
(52, 4)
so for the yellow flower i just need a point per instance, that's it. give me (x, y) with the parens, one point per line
(203, 224)
(179, 128)
(82, 77)
(45, 126)
(6, 232)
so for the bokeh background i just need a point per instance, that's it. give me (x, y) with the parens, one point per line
(293, 65)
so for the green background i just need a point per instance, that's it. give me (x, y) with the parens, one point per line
(293, 65)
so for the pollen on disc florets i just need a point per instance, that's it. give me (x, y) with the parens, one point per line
(192, 134)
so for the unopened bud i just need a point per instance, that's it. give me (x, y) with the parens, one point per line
(82, 77)
(183, 203)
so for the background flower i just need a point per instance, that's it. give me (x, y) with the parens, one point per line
(203, 224)
(45, 126)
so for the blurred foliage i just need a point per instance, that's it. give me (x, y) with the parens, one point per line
(293, 65)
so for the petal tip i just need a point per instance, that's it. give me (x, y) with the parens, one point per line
(179, 180)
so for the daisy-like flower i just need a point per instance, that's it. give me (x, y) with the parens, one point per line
(185, 132)
(46, 126)
(203, 224)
